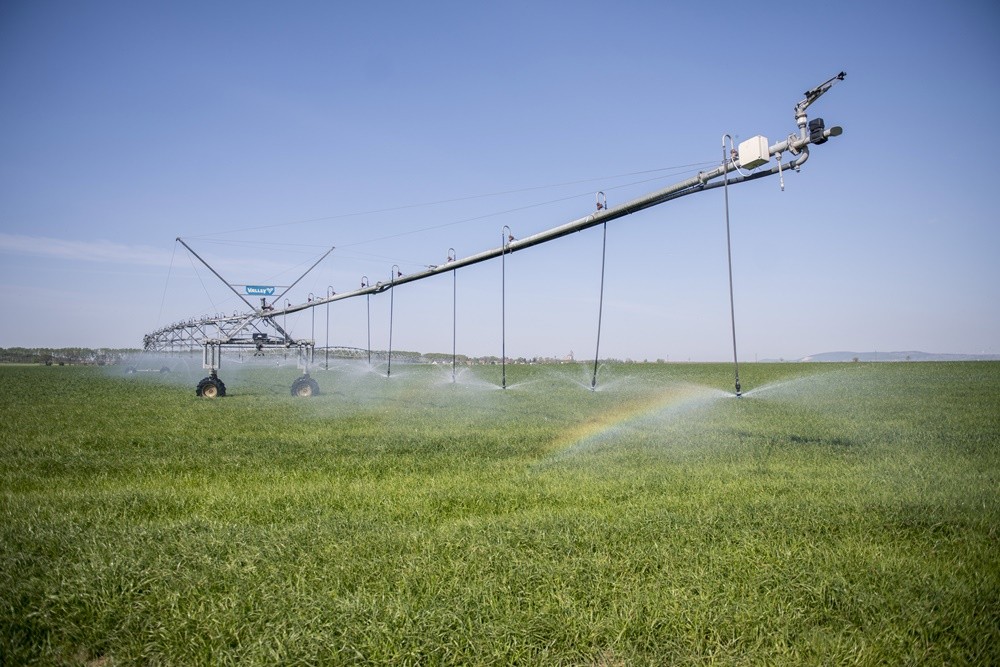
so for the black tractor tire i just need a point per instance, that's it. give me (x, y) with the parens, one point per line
(304, 387)
(211, 387)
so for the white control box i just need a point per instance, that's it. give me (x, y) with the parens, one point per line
(753, 152)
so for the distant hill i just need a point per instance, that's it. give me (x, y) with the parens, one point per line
(898, 356)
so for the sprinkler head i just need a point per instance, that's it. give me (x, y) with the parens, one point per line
(739, 392)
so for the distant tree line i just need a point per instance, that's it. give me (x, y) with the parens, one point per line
(102, 356)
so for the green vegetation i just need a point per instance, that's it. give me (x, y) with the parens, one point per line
(837, 514)
(64, 355)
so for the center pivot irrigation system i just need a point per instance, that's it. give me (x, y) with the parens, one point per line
(258, 330)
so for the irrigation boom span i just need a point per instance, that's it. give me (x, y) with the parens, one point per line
(215, 332)
(798, 145)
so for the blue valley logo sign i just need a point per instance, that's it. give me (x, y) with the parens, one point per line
(259, 290)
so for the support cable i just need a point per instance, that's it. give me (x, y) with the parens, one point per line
(368, 310)
(203, 286)
(484, 216)
(729, 255)
(600, 306)
(216, 273)
(312, 323)
(454, 312)
(675, 168)
(284, 324)
(506, 238)
(307, 271)
(392, 291)
(163, 299)
(700, 183)
(329, 293)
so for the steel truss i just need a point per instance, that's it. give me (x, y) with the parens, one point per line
(240, 330)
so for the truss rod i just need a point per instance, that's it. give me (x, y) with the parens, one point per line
(216, 273)
(315, 264)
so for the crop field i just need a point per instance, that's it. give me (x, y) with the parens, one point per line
(835, 514)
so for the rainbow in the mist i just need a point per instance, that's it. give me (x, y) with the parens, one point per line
(666, 404)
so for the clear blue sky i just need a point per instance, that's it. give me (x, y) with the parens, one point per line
(263, 132)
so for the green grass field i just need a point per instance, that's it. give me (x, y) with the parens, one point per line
(836, 514)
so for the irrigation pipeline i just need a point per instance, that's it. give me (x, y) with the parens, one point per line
(797, 144)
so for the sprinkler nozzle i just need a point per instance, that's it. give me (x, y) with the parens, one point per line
(739, 392)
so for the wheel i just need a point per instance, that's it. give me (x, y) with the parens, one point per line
(304, 387)
(211, 387)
